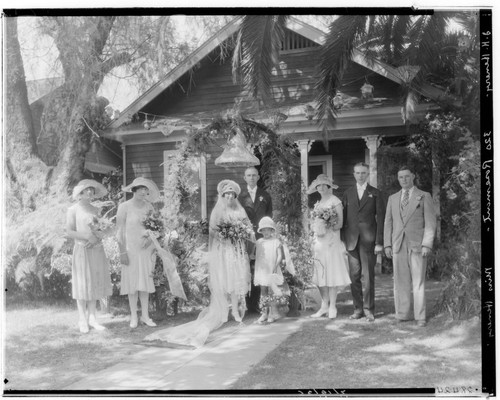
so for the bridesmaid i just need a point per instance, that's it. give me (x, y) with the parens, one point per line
(136, 249)
(330, 271)
(91, 280)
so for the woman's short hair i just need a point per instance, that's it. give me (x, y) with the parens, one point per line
(136, 188)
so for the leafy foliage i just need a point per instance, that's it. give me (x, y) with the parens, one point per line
(461, 297)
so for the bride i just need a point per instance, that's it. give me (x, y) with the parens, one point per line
(228, 271)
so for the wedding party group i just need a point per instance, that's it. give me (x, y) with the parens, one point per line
(247, 257)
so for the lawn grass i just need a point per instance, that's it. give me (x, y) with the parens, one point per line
(344, 353)
(44, 349)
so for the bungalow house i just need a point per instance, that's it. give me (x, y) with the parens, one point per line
(202, 87)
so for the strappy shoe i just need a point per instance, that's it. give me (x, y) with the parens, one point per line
(148, 322)
(84, 327)
(94, 324)
(320, 313)
(262, 319)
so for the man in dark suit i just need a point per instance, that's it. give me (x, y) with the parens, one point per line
(257, 204)
(363, 231)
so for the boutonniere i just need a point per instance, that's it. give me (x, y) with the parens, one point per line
(370, 195)
(419, 197)
(261, 198)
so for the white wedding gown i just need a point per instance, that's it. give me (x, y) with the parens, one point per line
(221, 256)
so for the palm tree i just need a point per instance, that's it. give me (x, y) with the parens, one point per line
(419, 46)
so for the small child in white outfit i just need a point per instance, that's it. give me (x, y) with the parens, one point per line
(268, 275)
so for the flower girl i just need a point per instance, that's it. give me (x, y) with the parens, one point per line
(268, 275)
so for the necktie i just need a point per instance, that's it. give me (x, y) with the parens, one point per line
(406, 199)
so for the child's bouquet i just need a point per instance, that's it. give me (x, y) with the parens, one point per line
(279, 300)
(153, 223)
(234, 230)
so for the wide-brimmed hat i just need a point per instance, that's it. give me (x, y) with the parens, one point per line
(227, 185)
(100, 189)
(321, 179)
(154, 192)
(266, 222)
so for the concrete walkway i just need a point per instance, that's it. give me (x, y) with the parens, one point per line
(228, 355)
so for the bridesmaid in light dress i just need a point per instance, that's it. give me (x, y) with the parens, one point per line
(136, 248)
(91, 279)
(331, 272)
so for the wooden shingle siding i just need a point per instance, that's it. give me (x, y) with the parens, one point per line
(150, 155)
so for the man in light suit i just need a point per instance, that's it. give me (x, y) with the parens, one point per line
(363, 233)
(257, 204)
(410, 225)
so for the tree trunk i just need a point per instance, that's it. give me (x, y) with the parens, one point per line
(436, 190)
(20, 132)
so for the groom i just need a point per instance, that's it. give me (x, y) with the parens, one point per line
(257, 204)
(364, 213)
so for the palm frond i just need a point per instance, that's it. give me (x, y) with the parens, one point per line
(334, 57)
(400, 30)
(258, 45)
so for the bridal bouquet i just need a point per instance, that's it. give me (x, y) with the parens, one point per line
(327, 214)
(234, 230)
(153, 223)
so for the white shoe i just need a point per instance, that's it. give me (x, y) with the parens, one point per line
(94, 324)
(84, 327)
(332, 313)
(133, 322)
(148, 322)
(320, 313)
(236, 316)
(262, 319)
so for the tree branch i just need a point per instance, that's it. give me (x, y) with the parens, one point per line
(115, 61)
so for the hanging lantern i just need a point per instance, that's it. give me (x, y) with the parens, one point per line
(338, 102)
(367, 91)
(309, 112)
(236, 153)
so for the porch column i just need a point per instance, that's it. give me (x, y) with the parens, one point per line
(372, 142)
(124, 163)
(304, 147)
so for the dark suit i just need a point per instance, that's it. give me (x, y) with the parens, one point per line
(363, 229)
(256, 211)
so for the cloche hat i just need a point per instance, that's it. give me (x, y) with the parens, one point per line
(227, 185)
(320, 180)
(154, 192)
(100, 189)
(266, 222)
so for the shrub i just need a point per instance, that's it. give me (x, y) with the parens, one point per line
(461, 297)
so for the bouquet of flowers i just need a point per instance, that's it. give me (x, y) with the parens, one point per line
(280, 301)
(234, 230)
(153, 223)
(327, 214)
(101, 226)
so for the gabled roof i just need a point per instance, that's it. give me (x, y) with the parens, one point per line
(314, 34)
